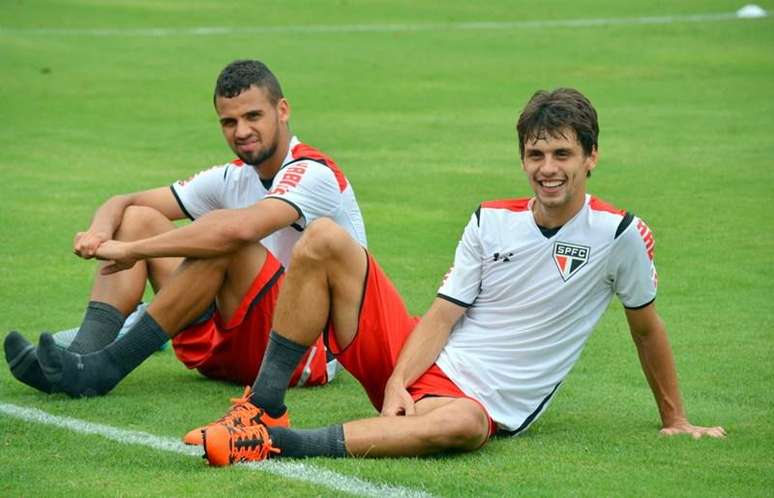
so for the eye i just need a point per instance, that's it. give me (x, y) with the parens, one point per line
(253, 115)
(227, 123)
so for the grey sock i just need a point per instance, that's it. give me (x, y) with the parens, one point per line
(99, 327)
(139, 342)
(295, 443)
(280, 360)
(95, 374)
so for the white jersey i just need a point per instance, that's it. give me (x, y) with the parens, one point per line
(308, 180)
(533, 300)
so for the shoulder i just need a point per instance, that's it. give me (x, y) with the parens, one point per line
(502, 208)
(302, 152)
(213, 173)
(609, 217)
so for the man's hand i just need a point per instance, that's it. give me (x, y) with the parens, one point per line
(685, 427)
(118, 254)
(85, 244)
(397, 400)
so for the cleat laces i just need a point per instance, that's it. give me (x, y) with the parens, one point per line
(251, 444)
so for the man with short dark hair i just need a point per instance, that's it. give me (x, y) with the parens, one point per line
(531, 278)
(248, 215)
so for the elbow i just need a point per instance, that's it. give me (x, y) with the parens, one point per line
(233, 230)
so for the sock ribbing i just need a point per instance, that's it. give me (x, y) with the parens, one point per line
(279, 362)
(297, 443)
(100, 326)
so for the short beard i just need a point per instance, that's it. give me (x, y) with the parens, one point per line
(261, 158)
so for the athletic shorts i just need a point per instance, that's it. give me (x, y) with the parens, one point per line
(233, 351)
(383, 327)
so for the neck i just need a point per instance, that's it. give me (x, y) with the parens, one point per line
(268, 168)
(553, 217)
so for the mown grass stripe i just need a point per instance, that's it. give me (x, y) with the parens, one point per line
(374, 28)
(287, 469)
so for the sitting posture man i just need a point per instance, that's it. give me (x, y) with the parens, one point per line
(269, 194)
(531, 278)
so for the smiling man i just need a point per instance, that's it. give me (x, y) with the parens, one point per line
(218, 302)
(530, 280)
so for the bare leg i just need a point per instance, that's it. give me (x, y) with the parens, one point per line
(112, 298)
(326, 274)
(198, 282)
(180, 300)
(123, 290)
(325, 279)
(440, 424)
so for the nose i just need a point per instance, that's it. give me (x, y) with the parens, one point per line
(549, 165)
(242, 129)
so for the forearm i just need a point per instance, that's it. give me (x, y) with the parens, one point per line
(108, 216)
(658, 365)
(215, 234)
(425, 343)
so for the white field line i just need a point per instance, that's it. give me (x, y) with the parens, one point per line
(287, 469)
(372, 28)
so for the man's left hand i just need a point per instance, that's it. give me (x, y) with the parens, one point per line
(695, 431)
(117, 254)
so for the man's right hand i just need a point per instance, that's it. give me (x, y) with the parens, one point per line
(397, 400)
(85, 244)
(118, 255)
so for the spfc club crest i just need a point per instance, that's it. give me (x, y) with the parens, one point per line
(570, 258)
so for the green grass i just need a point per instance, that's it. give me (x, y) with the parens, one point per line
(423, 124)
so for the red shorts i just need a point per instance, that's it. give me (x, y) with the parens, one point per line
(234, 351)
(383, 327)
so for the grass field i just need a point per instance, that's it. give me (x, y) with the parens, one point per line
(419, 110)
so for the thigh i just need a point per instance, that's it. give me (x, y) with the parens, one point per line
(347, 281)
(243, 268)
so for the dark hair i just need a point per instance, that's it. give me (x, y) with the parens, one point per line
(552, 112)
(241, 75)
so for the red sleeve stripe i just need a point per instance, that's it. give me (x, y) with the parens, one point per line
(600, 205)
(303, 150)
(509, 204)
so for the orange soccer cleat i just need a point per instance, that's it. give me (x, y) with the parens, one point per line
(224, 445)
(241, 414)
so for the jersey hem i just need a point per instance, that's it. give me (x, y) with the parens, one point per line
(641, 306)
(180, 203)
(454, 301)
(292, 204)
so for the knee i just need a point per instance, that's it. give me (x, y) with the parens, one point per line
(462, 430)
(141, 222)
(321, 242)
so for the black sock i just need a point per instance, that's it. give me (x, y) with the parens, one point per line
(22, 358)
(296, 443)
(280, 360)
(95, 374)
(100, 326)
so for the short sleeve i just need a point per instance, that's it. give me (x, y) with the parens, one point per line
(201, 193)
(634, 272)
(462, 284)
(310, 187)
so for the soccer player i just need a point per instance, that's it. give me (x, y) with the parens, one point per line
(248, 215)
(531, 277)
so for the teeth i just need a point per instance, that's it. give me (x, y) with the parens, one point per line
(552, 184)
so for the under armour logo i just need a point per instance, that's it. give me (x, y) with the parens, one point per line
(505, 257)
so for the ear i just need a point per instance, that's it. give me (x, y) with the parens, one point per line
(591, 159)
(283, 110)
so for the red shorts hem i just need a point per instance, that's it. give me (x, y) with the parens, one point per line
(384, 325)
(233, 351)
(434, 382)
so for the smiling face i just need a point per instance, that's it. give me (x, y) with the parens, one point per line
(254, 128)
(556, 167)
